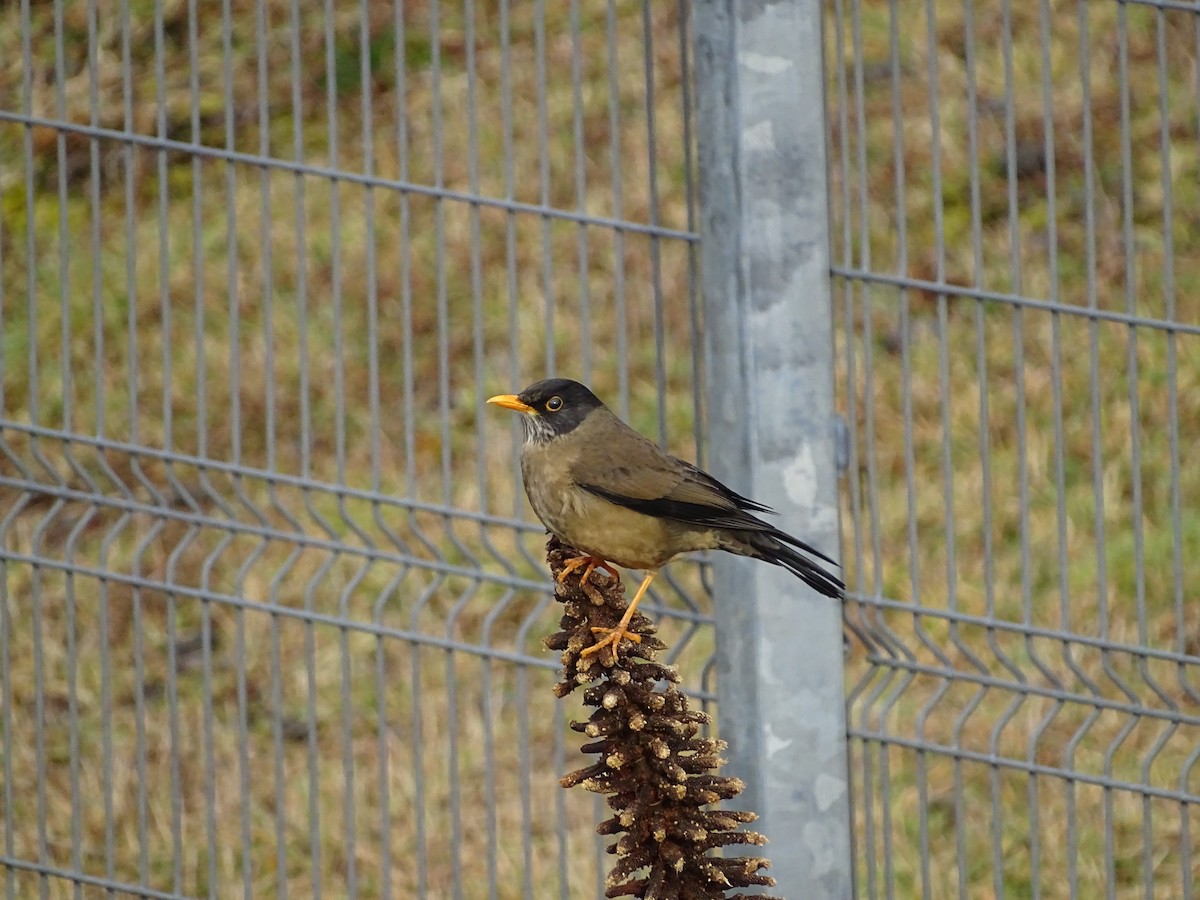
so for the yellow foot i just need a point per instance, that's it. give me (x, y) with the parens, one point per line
(591, 564)
(614, 637)
(621, 632)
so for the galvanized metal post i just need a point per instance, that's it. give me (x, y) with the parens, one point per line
(772, 426)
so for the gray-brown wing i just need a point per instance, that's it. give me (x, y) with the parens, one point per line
(618, 464)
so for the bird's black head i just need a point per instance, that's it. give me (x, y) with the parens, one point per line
(552, 407)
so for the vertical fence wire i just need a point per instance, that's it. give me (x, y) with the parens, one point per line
(1008, 262)
(267, 585)
(271, 601)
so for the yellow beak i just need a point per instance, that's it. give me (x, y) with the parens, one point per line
(510, 401)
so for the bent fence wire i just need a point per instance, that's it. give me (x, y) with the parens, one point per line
(272, 604)
(1015, 265)
(272, 601)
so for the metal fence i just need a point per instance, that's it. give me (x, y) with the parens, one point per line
(271, 602)
(272, 599)
(1015, 265)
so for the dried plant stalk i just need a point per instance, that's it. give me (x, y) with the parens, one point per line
(659, 775)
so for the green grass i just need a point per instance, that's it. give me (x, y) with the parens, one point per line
(250, 289)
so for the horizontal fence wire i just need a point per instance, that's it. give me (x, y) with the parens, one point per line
(271, 599)
(1015, 273)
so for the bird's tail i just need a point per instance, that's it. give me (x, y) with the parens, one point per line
(773, 547)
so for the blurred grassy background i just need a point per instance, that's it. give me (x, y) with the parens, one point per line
(230, 307)
(1023, 463)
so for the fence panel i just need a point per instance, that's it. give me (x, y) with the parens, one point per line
(271, 602)
(1015, 266)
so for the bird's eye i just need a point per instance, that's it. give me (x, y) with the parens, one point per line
(554, 404)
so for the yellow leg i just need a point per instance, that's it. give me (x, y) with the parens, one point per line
(591, 562)
(618, 634)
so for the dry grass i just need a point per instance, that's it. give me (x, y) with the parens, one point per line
(265, 333)
(1011, 517)
(246, 314)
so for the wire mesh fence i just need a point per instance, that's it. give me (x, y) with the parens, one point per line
(272, 604)
(1015, 268)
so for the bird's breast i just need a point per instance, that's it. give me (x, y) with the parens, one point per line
(590, 523)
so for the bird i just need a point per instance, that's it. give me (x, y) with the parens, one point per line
(619, 499)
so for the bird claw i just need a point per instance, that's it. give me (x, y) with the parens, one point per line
(614, 637)
(589, 565)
